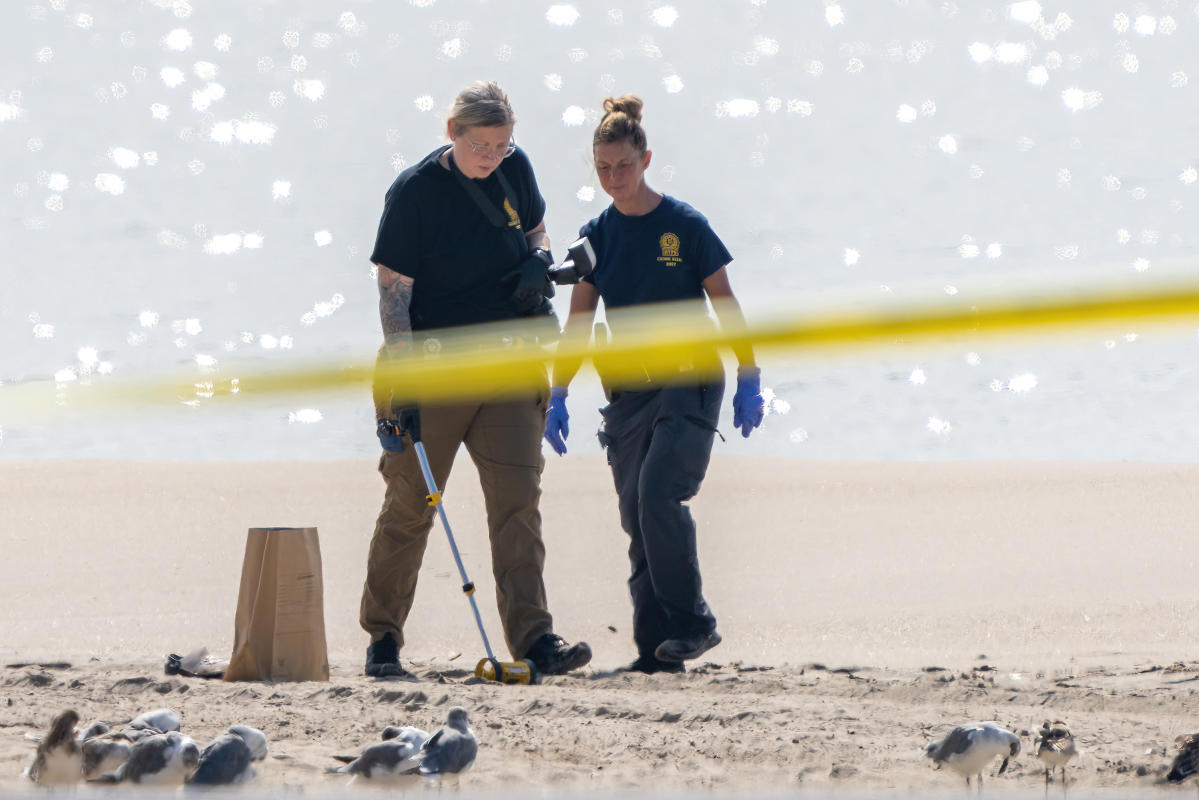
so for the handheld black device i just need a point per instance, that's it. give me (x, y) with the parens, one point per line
(579, 263)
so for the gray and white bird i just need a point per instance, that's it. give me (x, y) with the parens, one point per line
(253, 737)
(163, 759)
(103, 750)
(1055, 748)
(103, 754)
(226, 761)
(405, 733)
(968, 749)
(1186, 762)
(58, 760)
(452, 749)
(132, 735)
(393, 760)
(93, 730)
(164, 720)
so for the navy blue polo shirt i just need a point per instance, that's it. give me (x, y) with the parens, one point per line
(433, 232)
(658, 257)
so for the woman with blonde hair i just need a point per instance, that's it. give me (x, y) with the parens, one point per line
(462, 241)
(651, 248)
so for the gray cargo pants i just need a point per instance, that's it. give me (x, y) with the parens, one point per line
(659, 443)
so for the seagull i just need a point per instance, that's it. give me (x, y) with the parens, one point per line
(131, 734)
(1055, 747)
(224, 762)
(1186, 763)
(102, 750)
(58, 761)
(255, 738)
(164, 720)
(452, 749)
(406, 754)
(101, 755)
(92, 731)
(163, 759)
(968, 749)
(405, 733)
(392, 760)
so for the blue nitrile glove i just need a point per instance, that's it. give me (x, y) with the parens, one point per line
(391, 431)
(390, 435)
(557, 420)
(748, 406)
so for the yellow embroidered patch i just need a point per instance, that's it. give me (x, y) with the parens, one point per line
(669, 243)
(513, 217)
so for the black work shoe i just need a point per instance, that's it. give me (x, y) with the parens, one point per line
(687, 647)
(551, 655)
(383, 658)
(650, 666)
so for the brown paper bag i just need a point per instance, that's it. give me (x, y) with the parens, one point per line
(279, 631)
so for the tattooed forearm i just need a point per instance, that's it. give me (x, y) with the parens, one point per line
(395, 300)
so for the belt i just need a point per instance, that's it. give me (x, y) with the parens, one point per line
(431, 346)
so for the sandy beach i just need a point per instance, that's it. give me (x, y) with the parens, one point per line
(866, 608)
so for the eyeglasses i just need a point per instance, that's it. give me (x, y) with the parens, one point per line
(487, 151)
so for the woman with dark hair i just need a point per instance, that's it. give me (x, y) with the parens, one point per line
(462, 241)
(651, 248)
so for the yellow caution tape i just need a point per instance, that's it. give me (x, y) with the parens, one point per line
(650, 342)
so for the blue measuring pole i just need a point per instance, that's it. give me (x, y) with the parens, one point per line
(468, 588)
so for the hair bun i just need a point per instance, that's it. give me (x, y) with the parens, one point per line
(628, 104)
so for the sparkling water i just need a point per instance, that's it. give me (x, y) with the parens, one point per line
(193, 187)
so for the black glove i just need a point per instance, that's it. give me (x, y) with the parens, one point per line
(531, 281)
(409, 417)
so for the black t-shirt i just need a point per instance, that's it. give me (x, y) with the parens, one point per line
(433, 232)
(658, 257)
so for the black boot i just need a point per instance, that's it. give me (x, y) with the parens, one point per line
(651, 665)
(687, 647)
(383, 658)
(551, 655)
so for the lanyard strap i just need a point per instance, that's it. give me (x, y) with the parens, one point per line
(494, 215)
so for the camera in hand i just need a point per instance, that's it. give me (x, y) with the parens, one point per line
(579, 263)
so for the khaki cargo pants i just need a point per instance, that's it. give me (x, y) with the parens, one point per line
(504, 441)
